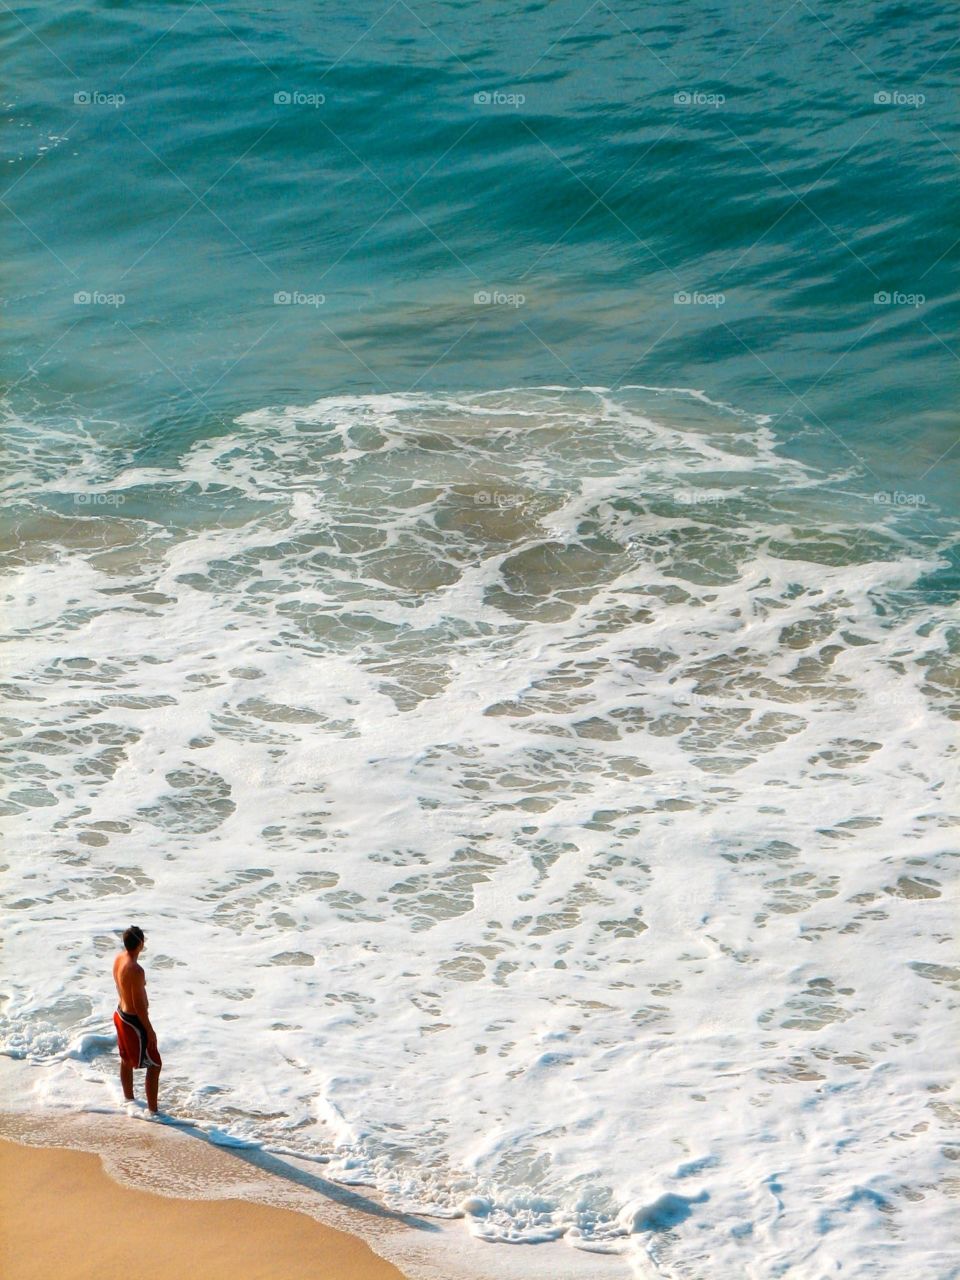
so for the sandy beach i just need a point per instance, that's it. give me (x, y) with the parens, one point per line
(61, 1214)
(77, 1187)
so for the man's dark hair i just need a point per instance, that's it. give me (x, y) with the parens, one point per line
(132, 937)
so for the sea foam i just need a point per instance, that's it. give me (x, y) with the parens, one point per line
(541, 805)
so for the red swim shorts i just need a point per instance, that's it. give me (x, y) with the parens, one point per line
(137, 1048)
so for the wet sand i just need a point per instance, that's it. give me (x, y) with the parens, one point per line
(60, 1214)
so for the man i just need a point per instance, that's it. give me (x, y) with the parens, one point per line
(136, 1038)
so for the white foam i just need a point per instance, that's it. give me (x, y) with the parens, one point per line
(539, 804)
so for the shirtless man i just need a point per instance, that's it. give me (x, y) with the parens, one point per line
(136, 1038)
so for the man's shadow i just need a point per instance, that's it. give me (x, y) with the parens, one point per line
(96, 1045)
(268, 1163)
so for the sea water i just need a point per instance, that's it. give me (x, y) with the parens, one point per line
(524, 727)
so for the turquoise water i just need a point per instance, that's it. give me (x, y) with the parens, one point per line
(598, 197)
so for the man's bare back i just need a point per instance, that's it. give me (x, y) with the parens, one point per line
(131, 987)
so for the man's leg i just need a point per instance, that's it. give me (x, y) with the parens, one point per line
(126, 1081)
(152, 1086)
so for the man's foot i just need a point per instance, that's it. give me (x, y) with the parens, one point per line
(140, 1111)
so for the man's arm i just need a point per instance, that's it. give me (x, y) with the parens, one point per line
(141, 1004)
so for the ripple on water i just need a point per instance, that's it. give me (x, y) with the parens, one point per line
(199, 801)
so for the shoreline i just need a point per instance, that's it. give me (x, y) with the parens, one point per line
(77, 1187)
(62, 1214)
